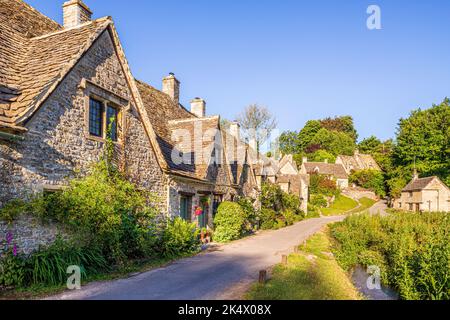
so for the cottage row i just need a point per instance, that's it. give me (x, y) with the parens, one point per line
(65, 89)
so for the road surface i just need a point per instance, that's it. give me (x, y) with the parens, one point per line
(222, 274)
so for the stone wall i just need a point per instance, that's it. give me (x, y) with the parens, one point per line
(29, 233)
(57, 142)
(358, 193)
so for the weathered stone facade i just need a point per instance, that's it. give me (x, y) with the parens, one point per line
(29, 233)
(57, 141)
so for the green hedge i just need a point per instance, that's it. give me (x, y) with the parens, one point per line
(229, 222)
(412, 250)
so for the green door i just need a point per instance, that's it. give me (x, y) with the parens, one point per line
(184, 208)
(203, 219)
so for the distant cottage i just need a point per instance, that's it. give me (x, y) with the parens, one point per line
(333, 171)
(424, 194)
(357, 162)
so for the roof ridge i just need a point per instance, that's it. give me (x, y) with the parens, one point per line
(107, 18)
(39, 13)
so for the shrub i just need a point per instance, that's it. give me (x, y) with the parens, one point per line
(229, 222)
(318, 200)
(12, 271)
(320, 184)
(180, 238)
(411, 249)
(271, 196)
(290, 217)
(369, 179)
(250, 213)
(268, 219)
(107, 210)
(12, 210)
(313, 212)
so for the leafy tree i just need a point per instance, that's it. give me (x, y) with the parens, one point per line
(322, 156)
(341, 124)
(334, 142)
(369, 145)
(369, 179)
(308, 133)
(289, 142)
(424, 139)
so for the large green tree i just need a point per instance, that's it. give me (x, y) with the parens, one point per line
(423, 139)
(342, 124)
(335, 142)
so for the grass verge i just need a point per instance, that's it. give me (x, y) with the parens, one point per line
(311, 274)
(365, 203)
(341, 205)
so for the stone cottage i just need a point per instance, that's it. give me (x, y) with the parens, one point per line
(62, 86)
(357, 162)
(333, 171)
(285, 174)
(424, 194)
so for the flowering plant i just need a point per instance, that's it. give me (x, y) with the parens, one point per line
(198, 211)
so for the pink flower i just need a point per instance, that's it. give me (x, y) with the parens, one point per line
(9, 238)
(15, 251)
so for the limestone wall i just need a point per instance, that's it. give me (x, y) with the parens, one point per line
(29, 233)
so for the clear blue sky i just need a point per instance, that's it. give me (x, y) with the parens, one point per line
(302, 59)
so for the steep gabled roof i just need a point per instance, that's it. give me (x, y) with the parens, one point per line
(167, 117)
(336, 170)
(359, 161)
(35, 55)
(422, 184)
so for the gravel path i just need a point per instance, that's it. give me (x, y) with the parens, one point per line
(225, 273)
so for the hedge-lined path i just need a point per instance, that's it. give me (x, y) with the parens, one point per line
(225, 273)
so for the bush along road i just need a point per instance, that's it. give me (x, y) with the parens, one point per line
(225, 273)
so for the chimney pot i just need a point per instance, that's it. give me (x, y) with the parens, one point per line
(75, 12)
(171, 87)
(198, 107)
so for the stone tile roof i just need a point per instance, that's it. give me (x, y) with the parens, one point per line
(336, 170)
(35, 55)
(359, 161)
(418, 184)
(166, 116)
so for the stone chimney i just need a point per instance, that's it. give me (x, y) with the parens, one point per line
(75, 12)
(326, 160)
(198, 107)
(171, 87)
(235, 130)
(305, 160)
(356, 152)
(415, 175)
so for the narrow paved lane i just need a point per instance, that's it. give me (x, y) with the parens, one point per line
(221, 274)
(379, 208)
